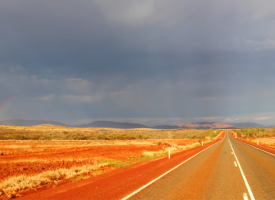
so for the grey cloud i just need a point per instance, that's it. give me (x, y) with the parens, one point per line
(147, 59)
(260, 45)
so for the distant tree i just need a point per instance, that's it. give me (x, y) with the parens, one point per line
(244, 132)
(262, 129)
(211, 133)
(251, 132)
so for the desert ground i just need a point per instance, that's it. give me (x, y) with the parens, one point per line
(47, 157)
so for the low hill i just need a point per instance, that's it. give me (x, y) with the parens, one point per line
(112, 124)
(50, 126)
(246, 125)
(125, 125)
(204, 125)
(165, 127)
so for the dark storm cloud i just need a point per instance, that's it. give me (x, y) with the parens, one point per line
(153, 58)
(50, 33)
(65, 34)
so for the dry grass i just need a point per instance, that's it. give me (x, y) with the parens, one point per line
(154, 153)
(22, 182)
(267, 141)
(46, 160)
(173, 149)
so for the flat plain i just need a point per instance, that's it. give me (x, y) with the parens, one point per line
(34, 158)
(40, 157)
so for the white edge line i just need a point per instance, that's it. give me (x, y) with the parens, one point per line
(141, 188)
(257, 148)
(245, 181)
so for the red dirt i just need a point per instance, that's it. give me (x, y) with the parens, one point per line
(34, 157)
(260, 146)
(16, 162)
(118, 183)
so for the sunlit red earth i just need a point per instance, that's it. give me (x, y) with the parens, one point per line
(34, 157)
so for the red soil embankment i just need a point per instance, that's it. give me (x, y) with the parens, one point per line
(260, 146)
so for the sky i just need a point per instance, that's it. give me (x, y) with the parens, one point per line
(143, 61)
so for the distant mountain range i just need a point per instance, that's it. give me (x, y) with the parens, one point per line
(125, 125)
(204, 125)
(165, 127)
(111, 124)
(246, 125)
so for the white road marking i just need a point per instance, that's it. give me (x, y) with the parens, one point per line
(235, 163)
(231, 152)
(143, 187)
(245, 197)
(245, 181)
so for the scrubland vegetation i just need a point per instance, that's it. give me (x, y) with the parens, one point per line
(56, 133)
(260, 136)
(255, 132)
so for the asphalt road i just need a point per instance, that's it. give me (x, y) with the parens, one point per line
(228, 170)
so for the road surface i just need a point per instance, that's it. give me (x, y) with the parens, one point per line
(216, 174)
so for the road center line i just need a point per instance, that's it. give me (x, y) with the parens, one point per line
(143, 187)
(245, 181)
